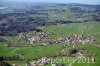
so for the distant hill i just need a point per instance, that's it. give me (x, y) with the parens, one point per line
(9, 4)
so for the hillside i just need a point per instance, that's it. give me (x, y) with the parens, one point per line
(50, 34)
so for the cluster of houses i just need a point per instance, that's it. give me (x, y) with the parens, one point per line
(29, 39)
(35, 37)
(74, 39)
(41, 37)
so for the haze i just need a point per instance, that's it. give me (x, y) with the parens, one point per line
(58, 1)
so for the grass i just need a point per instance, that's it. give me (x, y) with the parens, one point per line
(93, 50)
(93, 28)
(29, 52)
(5, 51)
(59, 31)
(39, 51)
(21, 63)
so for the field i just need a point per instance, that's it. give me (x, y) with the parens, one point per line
(74, 28)
(94, 50)
(29, 52)
(38, 51)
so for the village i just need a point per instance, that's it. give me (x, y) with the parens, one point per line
(49, 34)
(30, 39)
(42, 38)
(33, 38)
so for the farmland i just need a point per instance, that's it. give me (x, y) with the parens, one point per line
(60, 34)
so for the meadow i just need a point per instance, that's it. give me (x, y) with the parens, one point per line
(60, 30)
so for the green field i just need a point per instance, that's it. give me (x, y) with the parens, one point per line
(30, 53)
(39, 51)
(75, 28)
(93, 50)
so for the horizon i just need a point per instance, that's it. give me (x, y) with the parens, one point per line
(90, 2)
